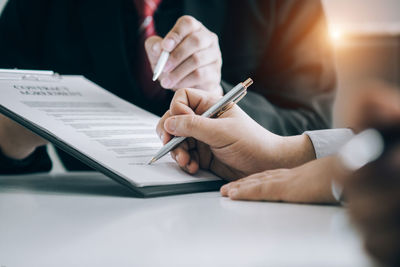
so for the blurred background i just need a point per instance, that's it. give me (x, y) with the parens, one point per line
(366, 38)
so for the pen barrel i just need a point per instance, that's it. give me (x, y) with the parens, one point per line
(160, 64)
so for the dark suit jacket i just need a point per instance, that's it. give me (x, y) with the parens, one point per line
(281, 44)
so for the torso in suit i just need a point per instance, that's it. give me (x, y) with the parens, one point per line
(282, 45)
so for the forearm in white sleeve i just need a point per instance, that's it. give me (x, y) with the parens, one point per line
(328, 142)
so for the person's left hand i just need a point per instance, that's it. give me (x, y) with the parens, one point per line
(195, 59)
(308, 183)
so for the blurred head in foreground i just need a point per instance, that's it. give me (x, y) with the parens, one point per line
(373, 192)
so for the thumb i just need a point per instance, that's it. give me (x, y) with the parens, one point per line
(152, 46)
(206, 130)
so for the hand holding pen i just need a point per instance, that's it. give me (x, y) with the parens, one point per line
(216, 110)
(191, 57)
(232, 145)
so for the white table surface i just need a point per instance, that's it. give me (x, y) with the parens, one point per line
(88, 220)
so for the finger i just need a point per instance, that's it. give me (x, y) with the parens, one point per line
(197, 77)
(182, 156)
(210, 131)
(194, 42)
(190, 101)
(173, 155)
(256, 191)
(152, 46)
(241, 182)
(227, 187)
(224, 190)
(197, 60)
(182, 28)
(193, 165)
(162, 134)
(261, 177)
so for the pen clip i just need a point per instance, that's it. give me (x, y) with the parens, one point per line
(231, 104)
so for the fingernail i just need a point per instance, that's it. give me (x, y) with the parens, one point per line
(233, 192)
(177, 158)
(156, 48)
(166, 83)
(171, 125)
(169, 44)
(162, 137)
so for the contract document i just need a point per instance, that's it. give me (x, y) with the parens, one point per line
(107, 133)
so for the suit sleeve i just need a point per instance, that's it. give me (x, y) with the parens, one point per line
(17, 50)
(295, 81)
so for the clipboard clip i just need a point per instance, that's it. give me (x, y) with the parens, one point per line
(29, 75)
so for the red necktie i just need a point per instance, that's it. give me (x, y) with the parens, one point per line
(145, 9)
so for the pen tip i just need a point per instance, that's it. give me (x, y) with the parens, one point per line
(151, 161)
(155, 77)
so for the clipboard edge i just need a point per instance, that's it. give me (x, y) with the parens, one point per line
(143, 192)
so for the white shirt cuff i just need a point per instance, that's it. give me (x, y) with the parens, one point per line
(328, 142)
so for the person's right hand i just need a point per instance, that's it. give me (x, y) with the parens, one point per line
(16, 141)
(195, 57)
(231, 146)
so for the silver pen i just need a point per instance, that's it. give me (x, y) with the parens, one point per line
(223, 105)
